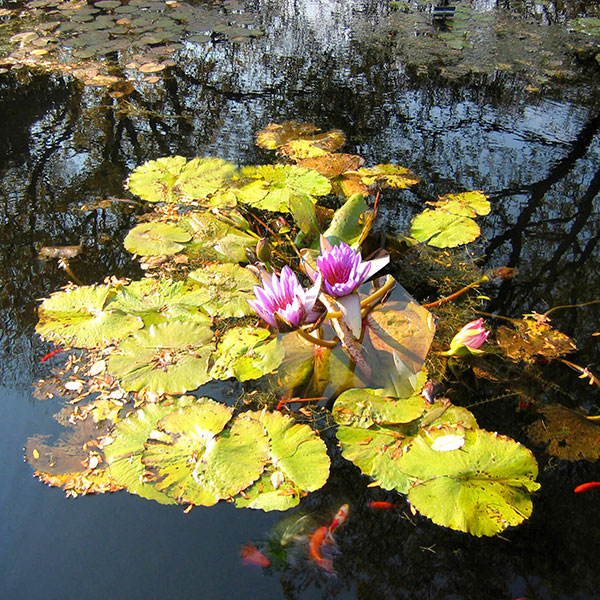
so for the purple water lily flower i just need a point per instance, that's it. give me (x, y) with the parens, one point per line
(283, 303)
(343, 271)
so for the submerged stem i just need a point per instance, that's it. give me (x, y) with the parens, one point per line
(456, 294)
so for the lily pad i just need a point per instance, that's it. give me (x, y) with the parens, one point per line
(482, 488)
(160, 300)
(168, 358)
(154, 239)
(83, 317)
(203, 177)
(154, 180)
(347, 223)
(245, 353)
(272, 186)
(393, 176)
(274, 135)
(124, 455)
(332, 165)
(228, 288)
(444, 230)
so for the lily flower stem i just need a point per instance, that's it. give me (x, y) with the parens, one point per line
(316, 341)
(585, 372)
(368, 302)
(456, 294)
(64, 264)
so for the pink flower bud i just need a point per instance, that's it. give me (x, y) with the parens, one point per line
(468, 340)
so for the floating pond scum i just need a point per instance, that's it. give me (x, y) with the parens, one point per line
(272, 275)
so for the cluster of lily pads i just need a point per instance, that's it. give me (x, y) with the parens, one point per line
(250, 278)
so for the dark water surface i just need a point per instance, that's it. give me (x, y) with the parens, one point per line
(527, 137)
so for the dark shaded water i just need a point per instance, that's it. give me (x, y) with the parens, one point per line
(537, 153)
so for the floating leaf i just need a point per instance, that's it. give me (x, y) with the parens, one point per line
(273, 135)
(466, 204)
(160, 300)
(443, 230)
(244, 353)
(193, 460)
(366, 407)
(299, 140)
(393, 176)
(168, 358)
(332, 165)
(533, 338)
(263, 495)
(213, 240)
(482, 488)
(228, 287)
(272, 186)
(124, 455)
(318, 145)
(566, 433)
(83, 317)
(154, 180)
(203, 177)
(153, 239)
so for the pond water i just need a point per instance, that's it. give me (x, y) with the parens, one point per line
(503, 99)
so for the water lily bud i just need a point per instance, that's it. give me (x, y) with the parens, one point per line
(263, 250)
(468, 340)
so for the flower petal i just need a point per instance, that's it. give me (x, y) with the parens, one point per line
(350, 307)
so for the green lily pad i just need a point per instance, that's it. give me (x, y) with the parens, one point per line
(466, 204)
(216, 241)
(228, 288)
(160, 300)
(481, 488)
(124, 455)
(245, 353)
(183, 439)
(203, 177)
(83, 317)
(168, 358)
(272, 186)
(154, 180)
(264, 495)
(444, 230)
(154, 239)
(366, 407)
(393, 176)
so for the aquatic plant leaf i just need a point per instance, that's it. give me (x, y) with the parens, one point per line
(393, 176)
(160, 300)
(245, 353)
(81, 483)
(181, 440)
(366, 407)
(216, 241)
(304, 214)
(272, 186)
(332, 165)
(274, 135)
(296, 450)
(533, 337)
(82, 317)
(442, 229)
(318, 145)
(168, 358)
(263, 495)
(154, 180)
(124, 455)
(203, 177)
(347, 223)
(153, 239)
(482, 488)
(465, 204)
(228, 288)
(566, 433)
(236, 460)
(376, 452)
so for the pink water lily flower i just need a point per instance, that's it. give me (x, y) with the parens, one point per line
(283, 303)
(343, 271)
(468, 340)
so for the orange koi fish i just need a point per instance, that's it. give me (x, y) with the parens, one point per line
(340, 517)
(250, 555)
(314, 548)
(587, 486)
(376, 505)
(50, 354)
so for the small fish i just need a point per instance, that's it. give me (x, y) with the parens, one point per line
(381, 505)
(340, 517)
(587, 486)
(250, 555)
(314, 548)
(50, 354)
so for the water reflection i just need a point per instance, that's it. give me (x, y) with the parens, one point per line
(535, 153)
